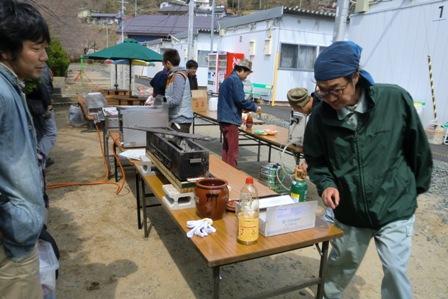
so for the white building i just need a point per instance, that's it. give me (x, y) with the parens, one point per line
(282, 43)
(397, 38)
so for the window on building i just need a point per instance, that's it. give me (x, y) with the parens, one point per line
(288, 56)
(306, 58)
(300, 57)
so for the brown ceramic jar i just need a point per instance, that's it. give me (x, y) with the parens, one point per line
(211, 196)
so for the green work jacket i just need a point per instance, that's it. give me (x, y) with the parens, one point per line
(379, 168)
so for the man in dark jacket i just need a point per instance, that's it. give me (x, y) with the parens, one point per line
(369, 157)
(192, 67)
(41, 108)
(231, 102)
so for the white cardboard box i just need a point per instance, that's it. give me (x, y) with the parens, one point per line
(288, 218)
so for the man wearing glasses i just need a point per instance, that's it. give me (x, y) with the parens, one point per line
(369, 157)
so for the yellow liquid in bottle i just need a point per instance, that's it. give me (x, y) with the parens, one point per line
(248, 224)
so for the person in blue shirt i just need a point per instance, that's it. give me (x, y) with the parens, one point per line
(158, 84)
(25, 37)
(231, 102)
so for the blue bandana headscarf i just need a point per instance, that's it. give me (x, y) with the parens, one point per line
(340, 59)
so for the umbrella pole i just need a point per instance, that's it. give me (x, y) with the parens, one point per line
(130, 77)
(116, 78)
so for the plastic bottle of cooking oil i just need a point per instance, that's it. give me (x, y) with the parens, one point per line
(247, 211)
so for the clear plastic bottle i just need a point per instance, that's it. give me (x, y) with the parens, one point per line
(247, 211)
(249, 121)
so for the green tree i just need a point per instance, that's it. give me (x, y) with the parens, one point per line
(58, 60)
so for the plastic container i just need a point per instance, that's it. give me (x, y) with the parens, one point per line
(213, 104)
(435, 133)
(48, 266)
(419, 106)
(248, 213)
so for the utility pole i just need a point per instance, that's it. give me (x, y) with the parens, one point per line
(341, 20)
(212, 31)
(122, 20)
(190, 28)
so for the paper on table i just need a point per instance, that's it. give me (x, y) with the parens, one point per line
(110, 110)
(135, 154)
(275, 201)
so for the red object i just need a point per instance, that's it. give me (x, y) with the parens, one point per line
(232, 59)
(249, 121)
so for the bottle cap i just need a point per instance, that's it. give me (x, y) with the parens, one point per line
(249, 180)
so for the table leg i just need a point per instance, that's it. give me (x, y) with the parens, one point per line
(216, 279)
(115, 163)
(258, 153)
(106, 149)
(137, 193)
(269, 154)
(143, 207)
(322, 270)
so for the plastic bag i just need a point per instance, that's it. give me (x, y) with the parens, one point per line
(76, 117)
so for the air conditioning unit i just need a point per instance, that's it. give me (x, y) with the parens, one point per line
(362, 6)
(267, 47)
(252, 48)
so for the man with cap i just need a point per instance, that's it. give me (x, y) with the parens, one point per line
(300, 101)
(369, 158)
(231, 102)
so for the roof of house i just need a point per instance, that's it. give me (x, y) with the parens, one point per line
(176, 9)
(269, 14)
(162, 25)
(103, 15)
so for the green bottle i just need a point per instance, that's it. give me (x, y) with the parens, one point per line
(299, 187)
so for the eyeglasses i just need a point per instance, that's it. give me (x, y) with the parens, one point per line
(335, 92)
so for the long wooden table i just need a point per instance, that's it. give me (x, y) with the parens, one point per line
(211, 119)
(221, 248)
(278, 141)
(113, 100)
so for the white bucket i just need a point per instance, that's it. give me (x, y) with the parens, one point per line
(213, 104)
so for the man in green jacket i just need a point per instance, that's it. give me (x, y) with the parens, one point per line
(369, 157)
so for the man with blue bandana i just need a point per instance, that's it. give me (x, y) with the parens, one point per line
(369, 157)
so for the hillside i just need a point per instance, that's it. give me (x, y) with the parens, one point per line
(75, 37)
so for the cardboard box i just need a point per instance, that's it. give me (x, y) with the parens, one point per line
(199, 100)
(288, 218)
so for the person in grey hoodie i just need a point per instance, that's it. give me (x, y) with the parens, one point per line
(177, 92)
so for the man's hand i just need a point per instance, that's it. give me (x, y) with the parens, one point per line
(149, 101)
(330, 197)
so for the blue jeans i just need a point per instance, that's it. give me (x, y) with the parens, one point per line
(393, 244)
